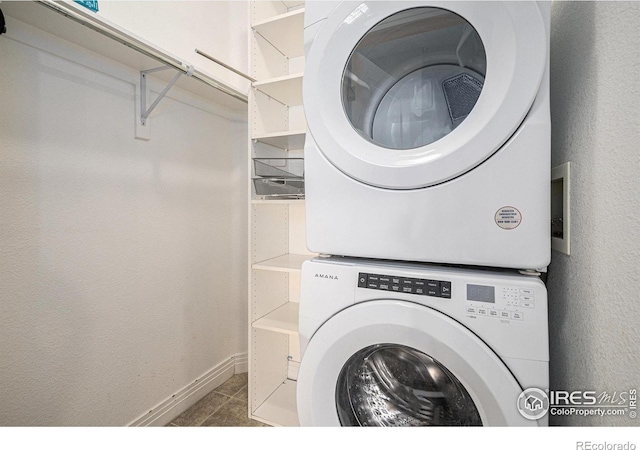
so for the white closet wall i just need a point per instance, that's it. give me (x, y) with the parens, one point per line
(122, 262)
(593, 307)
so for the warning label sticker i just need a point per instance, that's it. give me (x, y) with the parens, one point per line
(508, 217)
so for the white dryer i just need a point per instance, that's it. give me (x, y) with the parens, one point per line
(398, 344)
(428, 131)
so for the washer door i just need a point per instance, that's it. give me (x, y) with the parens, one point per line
(405, 95)
(395, 363)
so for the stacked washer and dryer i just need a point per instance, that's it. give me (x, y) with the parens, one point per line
(427, 165)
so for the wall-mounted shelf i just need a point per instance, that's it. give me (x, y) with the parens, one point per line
(284, 32)
(86, 29)
(286, 89)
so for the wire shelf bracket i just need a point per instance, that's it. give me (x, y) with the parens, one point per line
(143, 112)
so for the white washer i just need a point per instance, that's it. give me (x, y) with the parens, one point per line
(389, 344)
(428, 131)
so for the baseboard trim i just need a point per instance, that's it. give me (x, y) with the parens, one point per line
(162, 413)
(241, 361)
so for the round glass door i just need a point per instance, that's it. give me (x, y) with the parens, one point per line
(413, 78)
(395, 385)
(404, 97)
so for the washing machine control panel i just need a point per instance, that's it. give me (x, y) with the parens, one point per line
(417, 286)
(500, 302)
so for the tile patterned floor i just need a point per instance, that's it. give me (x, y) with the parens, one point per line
(225, 406)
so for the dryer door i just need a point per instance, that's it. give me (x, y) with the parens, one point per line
(395, 363)
(405, 95)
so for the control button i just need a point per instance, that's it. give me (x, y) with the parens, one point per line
(384, 286)
(493, 313)
(471, 310)
(372, 284)
(526, 291)
(420, 290)
(445, 289)
(396, 280)
(528, 305)
(362, 280)
(482, 312)
(374, 278)
(505, 315)
(408, 289)
(407, 286)
(527, 298)
(516, 315)
(395, 287)
(384, 279)
(419, 283)
(432, 288)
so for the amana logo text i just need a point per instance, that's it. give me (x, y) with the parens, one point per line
(328, 277)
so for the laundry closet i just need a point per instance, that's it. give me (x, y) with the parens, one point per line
(345, 203)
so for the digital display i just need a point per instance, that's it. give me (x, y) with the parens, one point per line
(478, 293)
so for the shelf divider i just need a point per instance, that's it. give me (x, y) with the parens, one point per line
(286, 89)
(286, 140)
(291, 262)
(284, 32)
(282, 320)
(280, 409)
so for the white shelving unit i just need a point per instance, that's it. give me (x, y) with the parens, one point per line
(277, 225)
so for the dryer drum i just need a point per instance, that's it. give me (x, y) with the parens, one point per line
(413, 78)
(461, 93)
(425, 105)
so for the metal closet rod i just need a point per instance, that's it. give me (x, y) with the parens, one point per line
(143, 48)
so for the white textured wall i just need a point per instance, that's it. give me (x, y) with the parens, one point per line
(594, 294)
(122, 262)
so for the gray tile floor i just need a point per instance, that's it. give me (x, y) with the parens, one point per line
(225, 406)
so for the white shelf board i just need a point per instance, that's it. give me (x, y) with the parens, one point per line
(287, 140)
(280, 409)
(52, 22)
(287, 201)
(284, 32)
(282, 320)
(286, 89)
(292, 3)
(290, 262)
